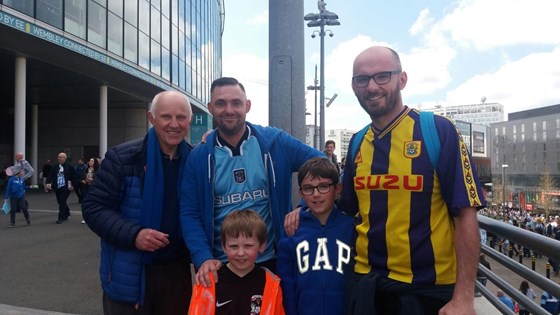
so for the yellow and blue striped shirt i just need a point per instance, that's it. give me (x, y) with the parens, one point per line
(404, 208)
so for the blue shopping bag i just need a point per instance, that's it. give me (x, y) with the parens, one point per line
(6, 206)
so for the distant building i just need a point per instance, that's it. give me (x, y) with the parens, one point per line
(481, 114)
(78, 76)
(526, 147)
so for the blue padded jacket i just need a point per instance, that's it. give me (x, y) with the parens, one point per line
(112, 209)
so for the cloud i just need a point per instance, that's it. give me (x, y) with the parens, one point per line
(530, 82)
(259, 20)
(422, 21)
(252, 72)
(485, 25)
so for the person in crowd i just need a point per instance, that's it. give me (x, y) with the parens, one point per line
(88, 176)
(549, 302)
(22, 164)
(330, 146)
(62, 179)
(133, 206)
(507, 301)
(80, 169)
(417, 237)
(480, 277)
(240, 166)
(243, 288)
(314, 263)
(528, 292)
(15, 193)
(45, 171)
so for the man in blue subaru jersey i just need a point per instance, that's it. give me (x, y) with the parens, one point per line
(240, 166)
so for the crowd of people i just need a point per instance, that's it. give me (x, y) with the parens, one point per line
(390, 230)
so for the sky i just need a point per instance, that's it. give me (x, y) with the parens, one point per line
(454, 52)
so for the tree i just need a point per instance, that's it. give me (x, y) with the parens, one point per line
(547, 185)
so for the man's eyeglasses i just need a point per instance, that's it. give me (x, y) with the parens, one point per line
(308, 190)
(379, 78)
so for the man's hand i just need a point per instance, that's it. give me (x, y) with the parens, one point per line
(291, 222)
(456, 307)
(209, 266)
(151, 240)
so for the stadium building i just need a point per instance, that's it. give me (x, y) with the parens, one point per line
(78, 75)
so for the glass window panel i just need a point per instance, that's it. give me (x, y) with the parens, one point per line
(155, 3)
(130, 43)
(103, 3)
(175, 69)
(116, 6)
(182, 16)
(181, 42)
(165, 8)
(182, 76)
(115, 34)
(23, 6)
(50, 12)
(75, 18)
(144, 49)
(144, 16)
(188, 10)
(188, 79)
(175, 12)
(165, 36)
(155, 57)
(97, 24)
(131, 12)
(188, 53)
(174, 39)
(165, 64)
(155, 25)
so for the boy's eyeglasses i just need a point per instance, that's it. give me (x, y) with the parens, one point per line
(308, 190)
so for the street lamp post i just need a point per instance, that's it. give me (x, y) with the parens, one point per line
(315, 87)
(504, 167)
(324, 17)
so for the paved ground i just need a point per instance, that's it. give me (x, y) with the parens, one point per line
(50, 268)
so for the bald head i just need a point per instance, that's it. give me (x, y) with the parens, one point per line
(381, 55)
(62, 157)
(171, 115)
(167, 97)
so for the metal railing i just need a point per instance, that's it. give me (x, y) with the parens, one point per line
(545, 245)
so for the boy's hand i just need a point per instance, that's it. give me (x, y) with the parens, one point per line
(209, 266)
(291, 222)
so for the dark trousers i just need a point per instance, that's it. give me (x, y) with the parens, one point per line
(79, 189)
(17, 204)
(168, 291)
(62, 198)
(375, 294)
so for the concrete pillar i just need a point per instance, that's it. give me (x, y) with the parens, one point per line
(286, 67)
(34, 143)
(103, 120)
(20, 81)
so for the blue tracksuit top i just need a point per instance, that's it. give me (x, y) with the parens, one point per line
(314, 264)
(15, 188)
(282, 155)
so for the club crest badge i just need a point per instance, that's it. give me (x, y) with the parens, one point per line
(239, 176)
(412, 149)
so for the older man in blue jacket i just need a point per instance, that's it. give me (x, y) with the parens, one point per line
(241, 166)
(133, 206)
